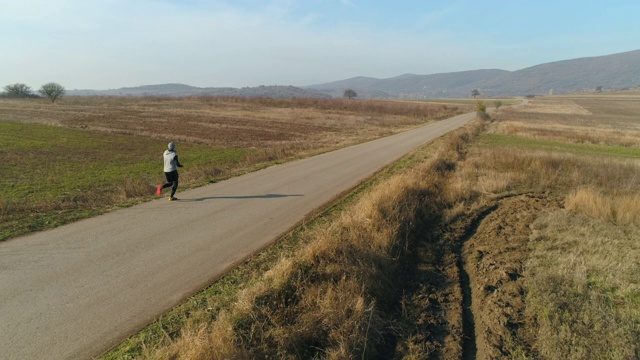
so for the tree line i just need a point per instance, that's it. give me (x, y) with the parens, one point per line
(52, 91)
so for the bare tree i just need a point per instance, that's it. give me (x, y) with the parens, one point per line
(18, 91)
(52, 90)
(349, 94)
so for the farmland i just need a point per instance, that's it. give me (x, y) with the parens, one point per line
(82, 156)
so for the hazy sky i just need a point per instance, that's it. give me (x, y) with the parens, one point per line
(103, 44)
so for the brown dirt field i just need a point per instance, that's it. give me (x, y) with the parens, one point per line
(604, 120)
(467, 298)
(493, 257)
(557, 106)
(234, 122)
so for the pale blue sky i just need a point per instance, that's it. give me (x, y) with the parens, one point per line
(102, 44)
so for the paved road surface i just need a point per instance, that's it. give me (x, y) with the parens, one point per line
(75, 291)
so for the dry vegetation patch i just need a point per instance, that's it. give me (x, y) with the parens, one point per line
(552, 266)
(536, 272)
(556, 106)
(307, 124)
(604, 120)
(487, 251)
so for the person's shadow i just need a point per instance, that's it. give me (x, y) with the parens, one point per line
(266, 196)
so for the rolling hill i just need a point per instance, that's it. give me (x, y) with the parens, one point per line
(617, 71)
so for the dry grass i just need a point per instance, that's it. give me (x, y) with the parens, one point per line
(606, 121)
(582, 277)
(617, 209)
(355, 290)
(556, 106)
(286, 125)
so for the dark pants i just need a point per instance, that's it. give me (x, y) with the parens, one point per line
(172, 180)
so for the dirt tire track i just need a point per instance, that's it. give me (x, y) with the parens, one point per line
(494, 258)
(469, 345)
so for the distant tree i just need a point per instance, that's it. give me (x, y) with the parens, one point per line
(497, 104)
(18, 91)
(599, 89)
(350, 94)
(52, 90)
(475, 93)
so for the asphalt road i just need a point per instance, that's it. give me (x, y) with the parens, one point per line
(75, 291)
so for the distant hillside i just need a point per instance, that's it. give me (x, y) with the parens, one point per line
(616, 71)
(178, 90)
(412, 86)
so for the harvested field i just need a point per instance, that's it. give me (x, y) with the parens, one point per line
(310, 124)
(557, 106)
(85, 155)
(606, 120)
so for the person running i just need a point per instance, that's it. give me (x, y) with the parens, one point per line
(171, 165)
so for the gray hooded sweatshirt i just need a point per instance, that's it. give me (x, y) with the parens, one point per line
(171, 162)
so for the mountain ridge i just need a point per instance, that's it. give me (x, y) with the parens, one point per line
(615, 71)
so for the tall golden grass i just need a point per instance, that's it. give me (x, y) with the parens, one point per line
(617, 209)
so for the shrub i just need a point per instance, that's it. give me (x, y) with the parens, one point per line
(18, 91)
(481, 111)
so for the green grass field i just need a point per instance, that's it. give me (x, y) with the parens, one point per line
(53, 175)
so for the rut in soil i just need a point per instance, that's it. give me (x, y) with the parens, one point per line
(469, 346)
